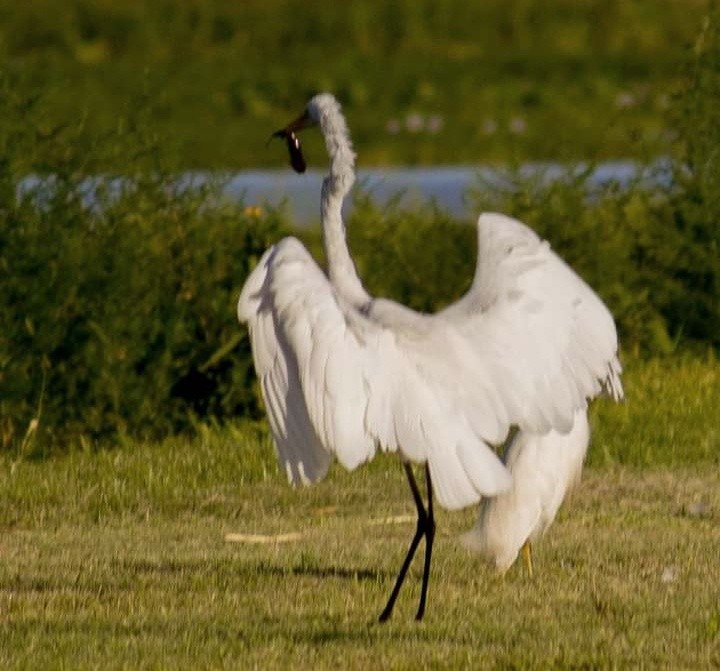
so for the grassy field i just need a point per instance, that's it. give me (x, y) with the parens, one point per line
(119, 559)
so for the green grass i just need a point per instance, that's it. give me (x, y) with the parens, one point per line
(670, 416)
(118, 559)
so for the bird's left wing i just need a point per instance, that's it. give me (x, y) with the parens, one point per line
(541, 336)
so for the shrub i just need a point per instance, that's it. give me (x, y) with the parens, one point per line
(124, 321)
(118, 311)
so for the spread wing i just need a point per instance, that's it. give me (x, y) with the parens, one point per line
(543, 336)
(299, 449)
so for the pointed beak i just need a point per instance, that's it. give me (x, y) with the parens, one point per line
(297, 160)
(302, 122)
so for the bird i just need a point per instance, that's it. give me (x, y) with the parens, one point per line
(544, 467)
(344, 374)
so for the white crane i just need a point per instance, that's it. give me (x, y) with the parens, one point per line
(343, 373)
(543, 468)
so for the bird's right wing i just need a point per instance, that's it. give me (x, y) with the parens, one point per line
(299, 450)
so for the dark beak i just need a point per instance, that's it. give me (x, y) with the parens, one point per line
(297, 160)
(302, 122)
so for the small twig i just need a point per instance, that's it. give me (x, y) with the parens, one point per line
(265, 539)
(396, 519)
(262, 539)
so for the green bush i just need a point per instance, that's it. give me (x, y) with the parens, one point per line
(118, 310)
(698, 196)
(424, 259)
(124, 321)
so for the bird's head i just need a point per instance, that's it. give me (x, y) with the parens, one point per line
(317, 109)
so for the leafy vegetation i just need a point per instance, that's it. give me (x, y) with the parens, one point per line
(119, 278)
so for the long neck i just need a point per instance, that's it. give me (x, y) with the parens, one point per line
(341, 269)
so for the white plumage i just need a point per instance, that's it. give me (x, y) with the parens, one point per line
(341, 379)
(344, 374)
(544, 467)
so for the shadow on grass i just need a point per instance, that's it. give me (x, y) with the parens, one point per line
(304, 570)
(231, 636)
(401, 628)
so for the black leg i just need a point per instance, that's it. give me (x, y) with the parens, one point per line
(425, 527)
(429, 537)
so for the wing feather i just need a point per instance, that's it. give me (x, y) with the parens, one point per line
(547, 342)
(300, 452)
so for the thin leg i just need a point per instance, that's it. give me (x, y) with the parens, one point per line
(429, 537)
(527, 556)
(420, 531)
